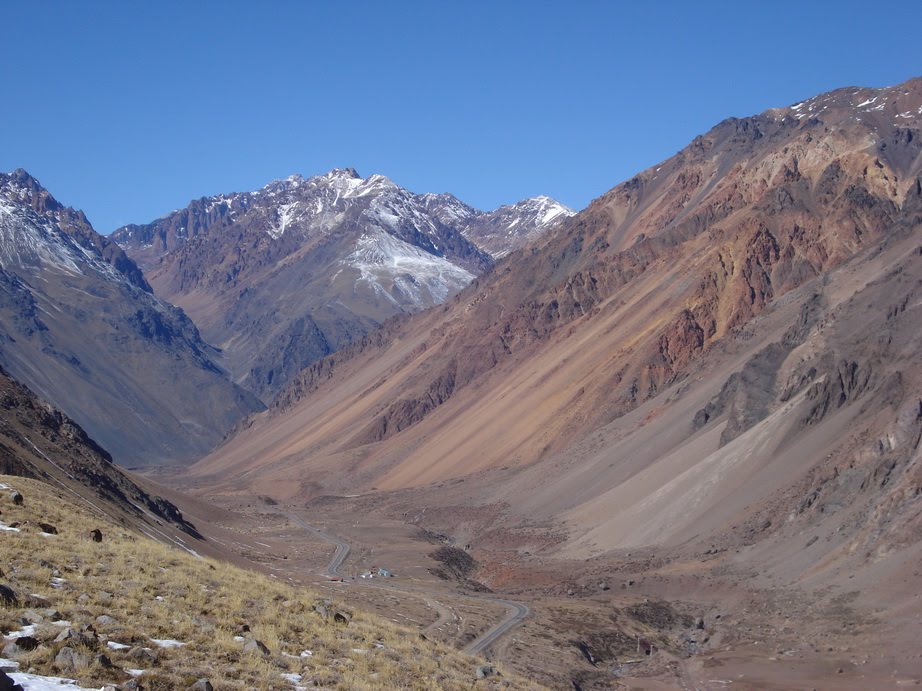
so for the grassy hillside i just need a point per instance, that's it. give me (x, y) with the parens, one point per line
(170, 618)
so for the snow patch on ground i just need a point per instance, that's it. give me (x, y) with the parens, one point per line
(27, 630)
(37, 682)
(167, 642)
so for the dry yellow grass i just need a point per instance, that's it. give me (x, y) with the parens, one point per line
(153, 591)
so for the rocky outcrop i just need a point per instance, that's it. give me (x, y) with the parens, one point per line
(37, 441)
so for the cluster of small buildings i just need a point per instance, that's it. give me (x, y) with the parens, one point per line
(377, 572)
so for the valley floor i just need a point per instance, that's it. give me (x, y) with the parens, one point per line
(711, 621)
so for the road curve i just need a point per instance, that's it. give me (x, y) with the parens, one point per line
(515, 615)
(339, 555)
(445, 615)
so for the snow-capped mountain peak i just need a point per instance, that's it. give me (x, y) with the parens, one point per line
(39, 233)
(513, 225)
(333, 254)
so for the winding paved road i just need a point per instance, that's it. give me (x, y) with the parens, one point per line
(515, 611)
(342, 548)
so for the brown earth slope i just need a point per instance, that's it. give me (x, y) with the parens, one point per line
(713, 342)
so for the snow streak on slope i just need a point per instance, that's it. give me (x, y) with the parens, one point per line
(403, 273)
(34, 243)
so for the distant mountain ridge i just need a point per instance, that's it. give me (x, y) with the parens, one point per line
(282, 276)
(80, 326)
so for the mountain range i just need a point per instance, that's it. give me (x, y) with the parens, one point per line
(725, 337)
(282, 276)
(706, 382)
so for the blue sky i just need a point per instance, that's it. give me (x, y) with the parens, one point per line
(129, 110)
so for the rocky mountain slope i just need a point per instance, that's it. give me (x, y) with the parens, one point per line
(80, 327)
(282, 276)
(722, 340)
(39, 442)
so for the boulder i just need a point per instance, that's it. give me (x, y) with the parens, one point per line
(131, 685)
(69, 660)
(103, 661)
(256, 647)
(485, 671)
(106, 620)
(8, 595)
(27, 643)
(95, 535)
(13, 649)
(87, 637)
(143, 655)
(48, 528)
(16, 497)
(202, 685)
(17, 646)
(30, 616)
(37, 601)
(7, 684)
(341, 616)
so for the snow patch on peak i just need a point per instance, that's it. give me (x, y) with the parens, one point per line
(286, 214)
(547, 210)
(402, 273)
(29, 241)
(343, 183)
(20, 186)
(343, 173)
